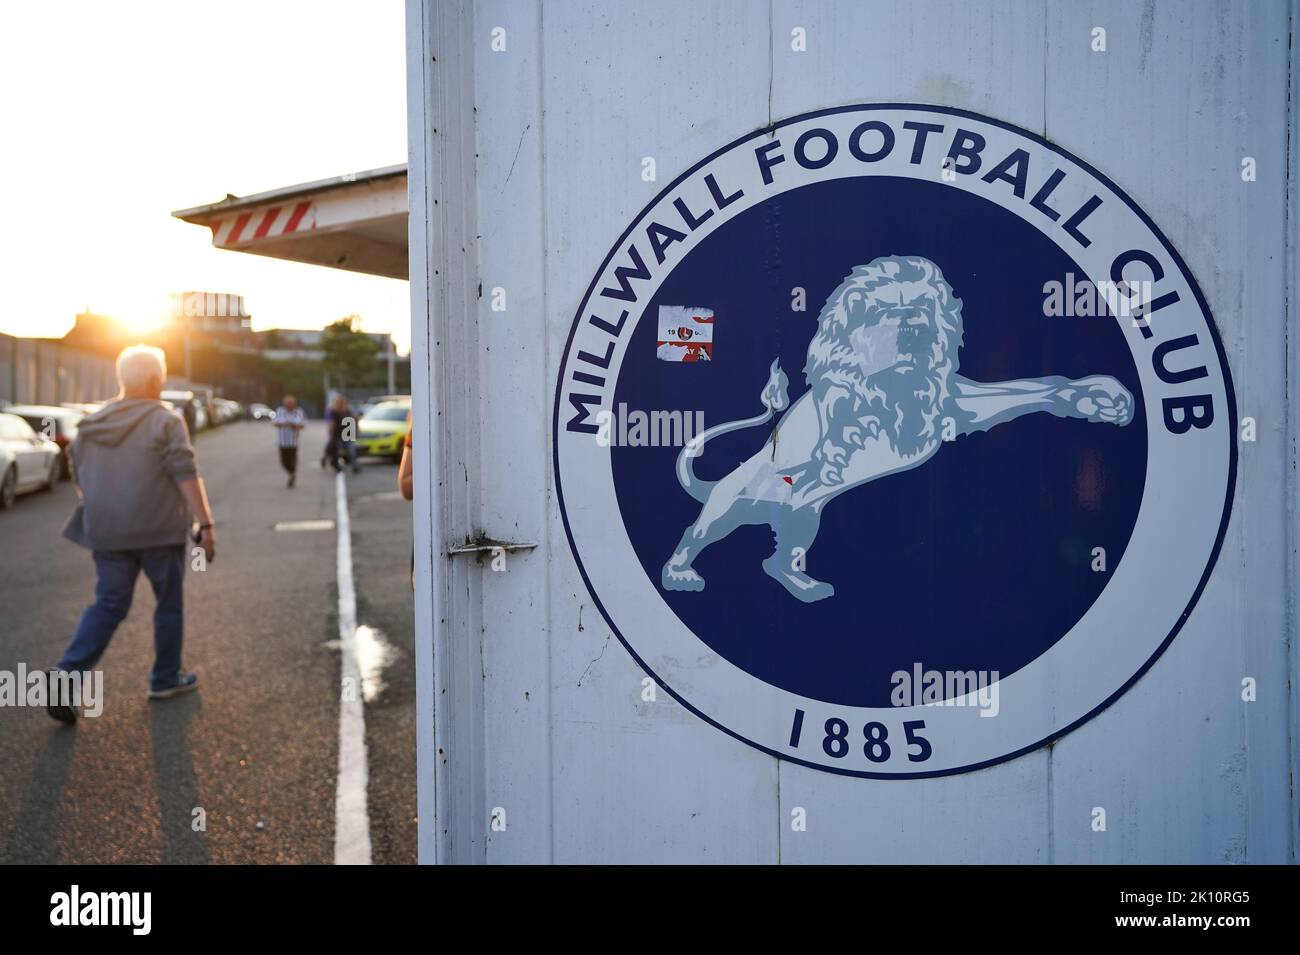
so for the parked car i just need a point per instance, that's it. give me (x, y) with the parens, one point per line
(28, 461)
(85, 407)
(55, 422)
(226, 410)
(260, 412)
(381, 431)
(365, 407)
(190, 407)
(208, 402)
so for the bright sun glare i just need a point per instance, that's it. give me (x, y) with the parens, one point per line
(142, 324)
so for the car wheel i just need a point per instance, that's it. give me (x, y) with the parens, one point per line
(52, 476)
(8, 489)
(65, 466)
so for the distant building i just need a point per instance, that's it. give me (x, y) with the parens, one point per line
(217, 320)
(213, 319)
(102, 334)
(283, 343)
(207, 337)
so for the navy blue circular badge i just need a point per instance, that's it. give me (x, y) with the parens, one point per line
(894, 440)
(977, 560)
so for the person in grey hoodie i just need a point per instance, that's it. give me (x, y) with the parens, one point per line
(135, 474)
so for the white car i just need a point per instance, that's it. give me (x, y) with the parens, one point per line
(28, 462)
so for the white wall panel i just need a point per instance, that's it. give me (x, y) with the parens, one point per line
(527, 166)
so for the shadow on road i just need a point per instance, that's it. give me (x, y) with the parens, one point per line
(176, 782)
(32, 839)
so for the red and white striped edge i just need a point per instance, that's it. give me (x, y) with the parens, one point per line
(267, 223)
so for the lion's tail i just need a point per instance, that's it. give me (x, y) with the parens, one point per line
(775, 399)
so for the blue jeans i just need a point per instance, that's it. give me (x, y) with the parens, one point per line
(116, 572)
(338, 448)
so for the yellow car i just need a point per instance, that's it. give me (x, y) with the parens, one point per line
(381, 432)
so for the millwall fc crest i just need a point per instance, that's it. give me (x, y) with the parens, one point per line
(894, 440)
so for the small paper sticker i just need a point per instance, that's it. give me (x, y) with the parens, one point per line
(685, 333)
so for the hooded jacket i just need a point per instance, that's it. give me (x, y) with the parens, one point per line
(128, 459)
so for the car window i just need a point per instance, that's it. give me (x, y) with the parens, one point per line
(37, 423)
(388, 413)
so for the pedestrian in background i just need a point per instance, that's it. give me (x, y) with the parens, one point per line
(289, 421)
(348, 433)
(342, 426)
(137, 483)
(329, 455)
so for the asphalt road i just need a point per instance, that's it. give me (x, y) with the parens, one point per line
(256, 748)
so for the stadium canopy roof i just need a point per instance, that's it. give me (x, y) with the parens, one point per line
(355, 222)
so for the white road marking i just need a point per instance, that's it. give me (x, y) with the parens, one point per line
(304, 525)
(351, 818)
(381, 496)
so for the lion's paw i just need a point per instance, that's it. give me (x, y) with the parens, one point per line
(832, 453)
(799, 584)
(830, 474)
(1102, 399)
(681, 579)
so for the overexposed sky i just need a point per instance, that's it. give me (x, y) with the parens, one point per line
(113, 115)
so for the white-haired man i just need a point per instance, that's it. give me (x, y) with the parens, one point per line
(138, 484)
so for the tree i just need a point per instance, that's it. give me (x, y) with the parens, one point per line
(350, 357)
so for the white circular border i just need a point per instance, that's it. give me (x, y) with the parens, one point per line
(1185, 504)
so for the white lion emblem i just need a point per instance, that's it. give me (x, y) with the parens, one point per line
(883, 385)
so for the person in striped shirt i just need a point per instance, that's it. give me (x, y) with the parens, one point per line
(289, 421)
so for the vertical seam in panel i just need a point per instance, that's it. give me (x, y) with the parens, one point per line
(1288, 305)
(426, 84)
(469, 421)
(771, 61)
(1046, 38)
(1051, 808)
(780, 813)
(1051, 749)
(447, 689)
(427, 148)
(454, 715)
(1242, 42)
(546, 425)
(469, 278)
(771, 79)
(429, 496)
(415, 213)
(477, 419)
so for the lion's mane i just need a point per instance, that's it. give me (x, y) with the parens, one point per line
(909, 415)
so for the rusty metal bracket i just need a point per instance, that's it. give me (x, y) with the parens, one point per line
(489, 547)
